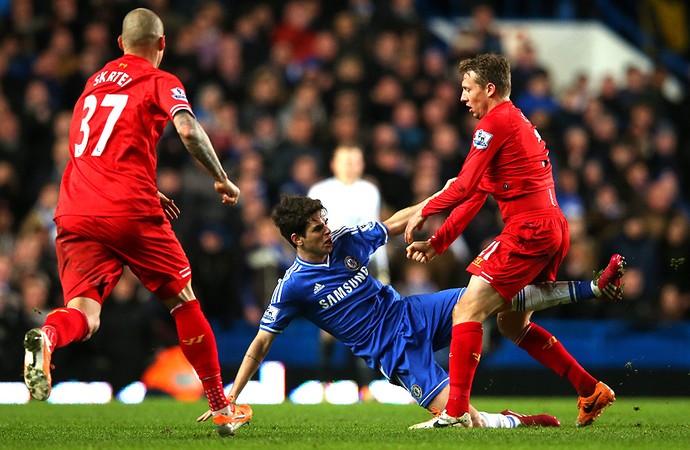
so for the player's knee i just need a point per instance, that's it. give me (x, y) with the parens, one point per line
(509, 326)
(469, 311)
(94, 323)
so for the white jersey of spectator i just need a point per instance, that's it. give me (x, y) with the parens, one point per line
(351, 200)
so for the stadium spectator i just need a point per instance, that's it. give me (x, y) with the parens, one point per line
(411, 136)
(537, 96)
(523, 66)
(344, 129)
(299, 138)
(303, 175)
(479, 36)
(347, 33)
(217, 268)
(674, 299)
(389, 167)
(350, 200)
(228, 68)
(446, 145)
(13, 322)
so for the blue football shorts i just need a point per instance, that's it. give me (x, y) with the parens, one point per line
(425, 328)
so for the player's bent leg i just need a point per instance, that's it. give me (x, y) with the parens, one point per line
(536, 297)
(592, 406)
(62, 327)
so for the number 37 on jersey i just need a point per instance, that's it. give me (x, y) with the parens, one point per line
(116, 104)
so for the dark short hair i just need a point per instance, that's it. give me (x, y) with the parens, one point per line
(489, 68)
(292, 214)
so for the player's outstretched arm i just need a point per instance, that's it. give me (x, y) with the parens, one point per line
(252, 360)
(250, 364)
(398, 222)
(197, 142)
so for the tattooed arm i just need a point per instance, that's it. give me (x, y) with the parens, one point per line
(199, 145)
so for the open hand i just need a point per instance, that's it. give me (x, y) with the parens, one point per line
(171, 210)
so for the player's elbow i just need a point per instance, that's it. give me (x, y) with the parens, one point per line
(187, 126)
(189, 132)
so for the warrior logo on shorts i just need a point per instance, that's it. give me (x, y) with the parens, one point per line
(352, 263)
(416, 391)
(481, 139)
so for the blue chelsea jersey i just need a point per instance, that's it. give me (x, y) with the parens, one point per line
(339, 295)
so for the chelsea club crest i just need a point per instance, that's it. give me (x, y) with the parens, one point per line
(416, 391)
(352, 263)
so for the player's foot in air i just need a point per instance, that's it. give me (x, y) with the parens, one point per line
(608, 280)
(591, 407)
(37, 353)
(536, 420)
(228, 424)
(442, 420)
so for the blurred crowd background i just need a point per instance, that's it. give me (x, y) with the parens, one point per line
(278, 85)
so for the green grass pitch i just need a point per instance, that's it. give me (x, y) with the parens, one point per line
(631, 423)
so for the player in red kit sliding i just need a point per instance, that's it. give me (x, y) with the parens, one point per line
(509, 160)
(110, 213)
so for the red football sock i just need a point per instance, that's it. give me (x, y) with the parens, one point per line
(545, 348)
(65, 325)
(465, 352)
(199, 347)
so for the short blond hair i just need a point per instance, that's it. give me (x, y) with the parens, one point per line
(141, 29)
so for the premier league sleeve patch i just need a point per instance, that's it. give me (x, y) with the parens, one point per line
(270, 314)
(481, 139)
(179, 94)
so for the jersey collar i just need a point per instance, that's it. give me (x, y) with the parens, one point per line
(326, 263)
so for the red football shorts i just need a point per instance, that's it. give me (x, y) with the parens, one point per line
(92, 252)
(530, 249)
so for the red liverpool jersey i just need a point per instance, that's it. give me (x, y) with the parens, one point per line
(509, 160)
(116, 124)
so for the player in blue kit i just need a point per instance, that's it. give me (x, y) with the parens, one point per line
(329, 284)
